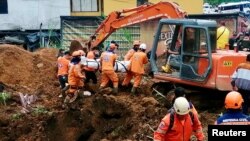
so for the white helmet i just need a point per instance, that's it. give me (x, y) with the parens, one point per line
(143, 46)
(181, 106)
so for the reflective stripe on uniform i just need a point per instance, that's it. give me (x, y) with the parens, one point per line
(161, 131)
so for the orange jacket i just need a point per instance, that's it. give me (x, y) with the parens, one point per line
(63, 66)
(76, 76)
(90, 55)
(129, 54)
(137, 62)
(181, 131)
(107, 60)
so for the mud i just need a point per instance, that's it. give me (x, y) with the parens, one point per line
(100, 116)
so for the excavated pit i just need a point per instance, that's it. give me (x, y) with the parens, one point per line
(96, 117)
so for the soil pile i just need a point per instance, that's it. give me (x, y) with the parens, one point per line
(28, 72)
(105, 117)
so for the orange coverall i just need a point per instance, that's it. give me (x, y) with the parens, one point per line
(90, 55)
(63, 66)
(129, 54)
(107, 60)
(75, 78)
(181, 130)
(137, 68)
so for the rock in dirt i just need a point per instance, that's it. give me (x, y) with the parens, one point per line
(146, 101)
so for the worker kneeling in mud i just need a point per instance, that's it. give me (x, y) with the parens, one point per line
(76, 78)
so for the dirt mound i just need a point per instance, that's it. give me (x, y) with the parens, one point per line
(28, 72)
(103, 116)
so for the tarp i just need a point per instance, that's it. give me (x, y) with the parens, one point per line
(33, 40)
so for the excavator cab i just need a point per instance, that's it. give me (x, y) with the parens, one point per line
(188, 54)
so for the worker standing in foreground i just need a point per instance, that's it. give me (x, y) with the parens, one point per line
(183, 125)
(233, 115)
(76, 78)
(137, 68)
(241, 82)
(180, 92)
(90, 72)
(222, 36)
(131, 52)
(107, 62)
(62, 70)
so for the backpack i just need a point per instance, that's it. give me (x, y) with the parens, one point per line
(171, 111)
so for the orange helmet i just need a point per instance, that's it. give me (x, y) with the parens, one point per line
(233, 100)
(136, 42)
(112, 46)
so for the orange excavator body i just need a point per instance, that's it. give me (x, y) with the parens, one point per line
(200, 63)
(127, 17)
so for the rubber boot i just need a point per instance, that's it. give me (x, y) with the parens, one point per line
(74, 97)
(63, 92)
(133, 90)
(66, 102)
(81, 93)
(100, 89)
(115, 90)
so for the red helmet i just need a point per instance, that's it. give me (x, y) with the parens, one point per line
(233, 100)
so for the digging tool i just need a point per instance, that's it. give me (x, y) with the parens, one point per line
(158, 93)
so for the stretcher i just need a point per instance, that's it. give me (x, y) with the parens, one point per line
(120, 66)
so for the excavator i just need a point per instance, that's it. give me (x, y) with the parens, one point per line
(126, 17)
(200, 64)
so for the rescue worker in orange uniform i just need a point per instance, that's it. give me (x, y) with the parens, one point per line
(131, 52)
(76, 77)
(90, 72)
(183, 125)
(233, 115)
(62, 70)
(107, 62)
(137, 68)
(180, 92)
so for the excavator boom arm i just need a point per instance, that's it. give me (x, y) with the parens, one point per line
(146, 12)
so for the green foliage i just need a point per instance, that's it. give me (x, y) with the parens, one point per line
(16, 116)
(39, 110)
(127, 35)
(4, 97)
(217, 2)
(118, 131)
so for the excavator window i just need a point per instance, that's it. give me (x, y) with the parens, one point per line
(212, 38)
(195, 59)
